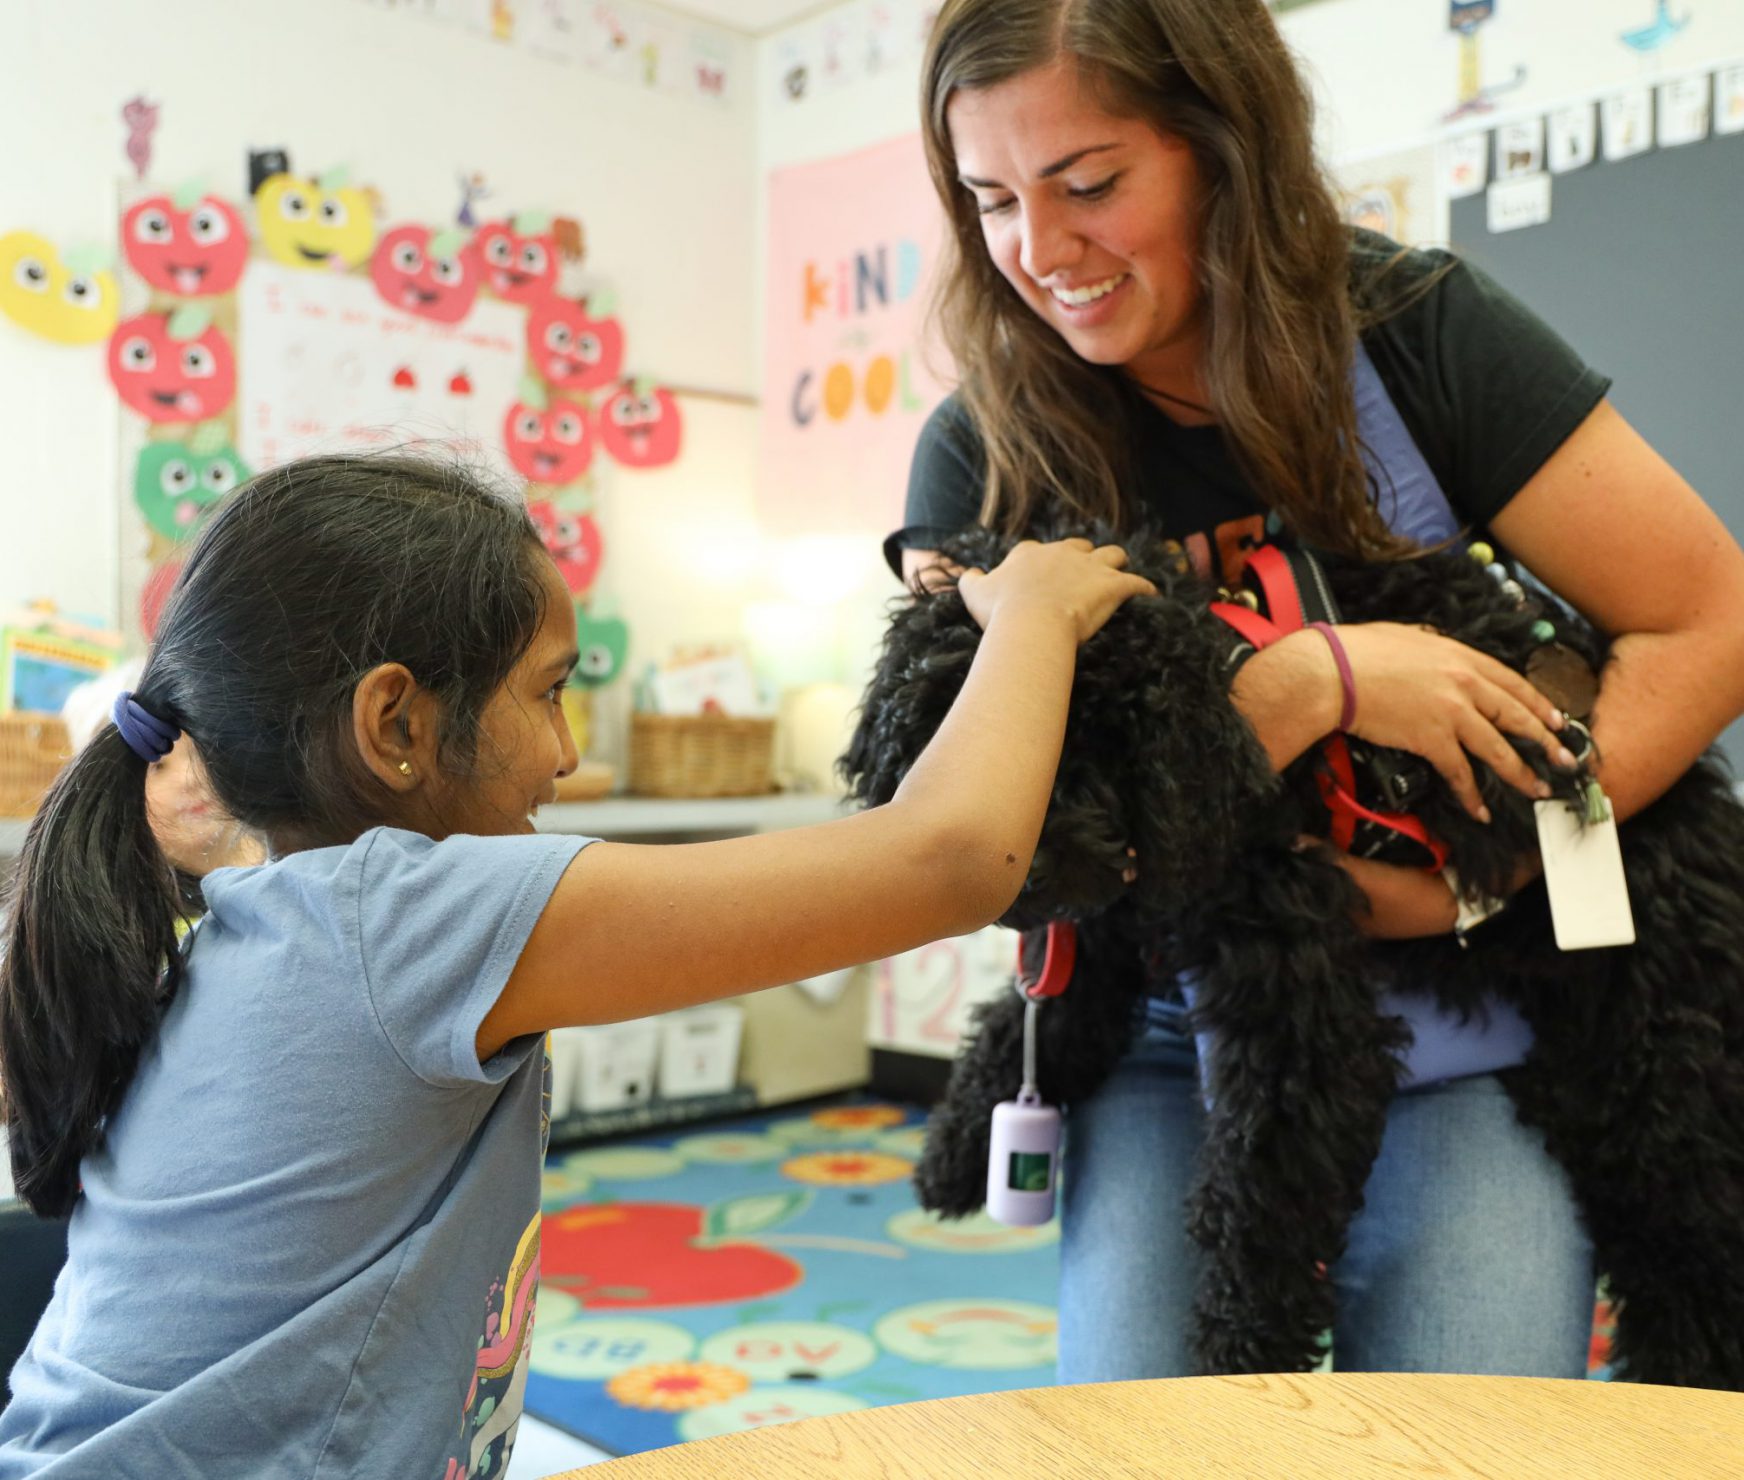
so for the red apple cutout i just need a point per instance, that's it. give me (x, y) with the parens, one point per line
(172, 367)
(548, 442)
(640, 427)
(192, 244)
(642, 1256)
(571, 348)
(154, 594)
(573, 541)
(434, 275)
(520, 258)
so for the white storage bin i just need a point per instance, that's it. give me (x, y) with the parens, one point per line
(699, 1050)
(565, 1070)
(617, 1064)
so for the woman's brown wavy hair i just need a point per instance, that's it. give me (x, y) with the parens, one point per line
(1274, 269)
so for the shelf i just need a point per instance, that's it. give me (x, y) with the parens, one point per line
(650, 1115)
(625, 817)
(632, 817)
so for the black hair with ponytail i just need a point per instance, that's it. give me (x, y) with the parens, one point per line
(310, 575)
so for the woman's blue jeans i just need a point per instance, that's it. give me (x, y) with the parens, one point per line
(1468, 1256)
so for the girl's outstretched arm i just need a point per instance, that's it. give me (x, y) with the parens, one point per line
(633, 930)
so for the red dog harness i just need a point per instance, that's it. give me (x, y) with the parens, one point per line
(1271, 569)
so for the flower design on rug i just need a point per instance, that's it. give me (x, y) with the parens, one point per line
(847, 1168)
(672, 1387)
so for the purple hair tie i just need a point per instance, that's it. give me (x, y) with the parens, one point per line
(147, 736)
(1347, 681)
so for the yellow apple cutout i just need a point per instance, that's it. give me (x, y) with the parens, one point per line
(315, 223)
(74, 301)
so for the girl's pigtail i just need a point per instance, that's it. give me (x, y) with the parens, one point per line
(89, 962)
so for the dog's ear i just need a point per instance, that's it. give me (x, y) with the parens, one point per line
(925, 658)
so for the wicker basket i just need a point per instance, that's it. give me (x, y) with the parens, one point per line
(33, 748)
(701, 755)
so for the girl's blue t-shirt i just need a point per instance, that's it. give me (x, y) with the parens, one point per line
(310, 1243)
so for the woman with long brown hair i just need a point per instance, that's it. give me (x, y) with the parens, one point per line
(1158, 316)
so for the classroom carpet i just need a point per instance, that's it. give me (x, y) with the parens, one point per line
(777, 1267)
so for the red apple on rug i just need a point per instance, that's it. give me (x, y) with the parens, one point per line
(641, 1256)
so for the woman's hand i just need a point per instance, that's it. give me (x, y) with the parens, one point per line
(1402, 903)
(927, 570)
(1419, 691)
(1083, 583)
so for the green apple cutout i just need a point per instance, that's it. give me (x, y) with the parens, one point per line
(177, 484)
(603, 643)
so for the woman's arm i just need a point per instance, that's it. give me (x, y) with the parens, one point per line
(633, 930)
(1610, 526)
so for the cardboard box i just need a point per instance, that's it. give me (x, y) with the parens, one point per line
(699, 1050)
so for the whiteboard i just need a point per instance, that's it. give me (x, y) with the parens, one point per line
(325, 365)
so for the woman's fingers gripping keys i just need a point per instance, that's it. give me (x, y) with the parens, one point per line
(1428, 694)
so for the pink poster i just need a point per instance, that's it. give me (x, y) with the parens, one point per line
(853, 243)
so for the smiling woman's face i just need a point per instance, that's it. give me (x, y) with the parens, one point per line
(1091, 217)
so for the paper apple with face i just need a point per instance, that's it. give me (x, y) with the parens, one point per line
(190, 243)
(547, 440)
(172, 367)
(154, 594)
(519, 256)
(70, 302)
(643, 1256)
(604, 643)
(315, 223)
(639, 425)
(573, 540)
(432, 274)
(571, 347)
(177, 484)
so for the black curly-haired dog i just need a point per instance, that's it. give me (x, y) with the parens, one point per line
(1636, 1074)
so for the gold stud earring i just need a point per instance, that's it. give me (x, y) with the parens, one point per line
(405, 768)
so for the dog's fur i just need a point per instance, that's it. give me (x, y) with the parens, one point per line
(1636, 1076)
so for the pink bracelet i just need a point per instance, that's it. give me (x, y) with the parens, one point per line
(1347, 715)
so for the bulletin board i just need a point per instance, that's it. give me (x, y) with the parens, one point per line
(1639, 267)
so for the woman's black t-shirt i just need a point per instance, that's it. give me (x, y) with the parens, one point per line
(1486, 389)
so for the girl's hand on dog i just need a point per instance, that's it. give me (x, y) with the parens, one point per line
(1419, 691)
(1078, 581)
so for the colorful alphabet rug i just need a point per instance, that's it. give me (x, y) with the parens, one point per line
(776, 1268)
(769, 1269)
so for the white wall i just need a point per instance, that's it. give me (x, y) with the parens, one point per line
(661, 183)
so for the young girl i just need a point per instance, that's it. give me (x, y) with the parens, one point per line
(302, 1154)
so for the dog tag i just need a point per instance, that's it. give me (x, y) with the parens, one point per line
(1565, 678)
(1583, 870)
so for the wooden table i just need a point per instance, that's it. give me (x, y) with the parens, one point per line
(1356, 1426)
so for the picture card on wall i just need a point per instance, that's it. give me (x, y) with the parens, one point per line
(1683, 111)
(327, 366)
(1465, 164)
(1573, 140)
(1627, 123)
(1729, 100)
(1513, 204)
(1519, 149)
